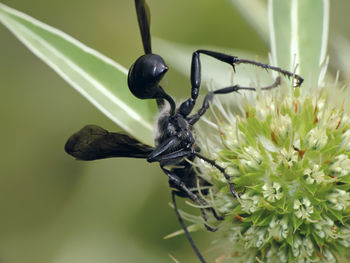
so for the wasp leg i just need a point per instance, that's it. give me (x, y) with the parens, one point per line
(211, 209)
(206, 103)
(222, 170)
(209, 97)
(174, 155)
(195, 198)
(158, 156)
(162, 154)
(233, 60)
(170, 143)
(199, 255)
(217, 217)
(187, 106)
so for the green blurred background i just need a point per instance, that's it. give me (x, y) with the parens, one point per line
(56, 209)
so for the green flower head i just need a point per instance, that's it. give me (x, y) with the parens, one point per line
(289, 158)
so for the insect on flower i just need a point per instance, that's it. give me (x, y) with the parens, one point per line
(175, 144)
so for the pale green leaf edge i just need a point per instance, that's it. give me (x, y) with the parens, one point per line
(324, 59)
(147, 128)
(273, 47)
(294, 43)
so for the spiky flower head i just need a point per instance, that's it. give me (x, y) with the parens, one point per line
(289, 157)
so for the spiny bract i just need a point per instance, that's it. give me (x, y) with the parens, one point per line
(289, 157)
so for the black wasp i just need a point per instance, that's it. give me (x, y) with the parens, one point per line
(175, 145)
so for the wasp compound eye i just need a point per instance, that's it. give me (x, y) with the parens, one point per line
(144, 76)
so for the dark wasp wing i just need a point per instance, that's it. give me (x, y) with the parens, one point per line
(93, 142)
(144, 19)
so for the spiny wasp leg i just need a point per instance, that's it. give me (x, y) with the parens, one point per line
(189, 238)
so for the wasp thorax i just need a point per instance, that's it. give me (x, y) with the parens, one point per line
(145, 75)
